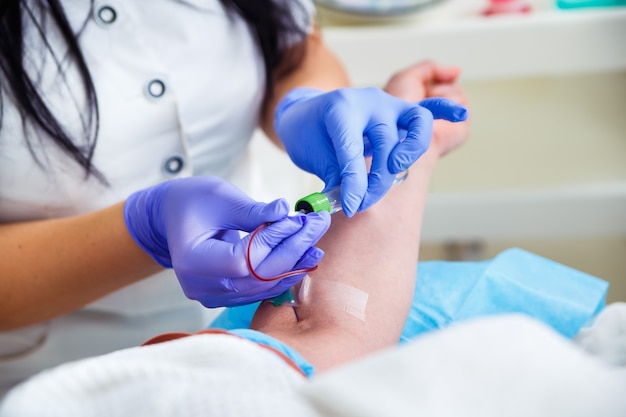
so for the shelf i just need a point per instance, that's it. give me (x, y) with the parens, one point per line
(539, 213)
(546, 42)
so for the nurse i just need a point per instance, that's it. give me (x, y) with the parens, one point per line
(121, 124)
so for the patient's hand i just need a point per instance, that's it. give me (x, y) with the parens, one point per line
(448, 136)
(427, 79)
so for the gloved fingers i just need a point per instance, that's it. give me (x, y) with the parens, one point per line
(223, 292)
(258, 291)
(332, 173)
(382, 138)
(231, 292)
(310, 258)
(249, 216)
(353, 182)
(231, 236)
(249, 289)
(210, 258)
(418, 122)
(346, 133)
(229, 260)
(290, 250)
(444, 108)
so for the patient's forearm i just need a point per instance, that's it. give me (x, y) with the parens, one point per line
(375, 252)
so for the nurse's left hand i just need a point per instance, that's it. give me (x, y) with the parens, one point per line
(192, 224)
(323, 133)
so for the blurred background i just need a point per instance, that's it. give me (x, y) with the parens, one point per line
(545, 166)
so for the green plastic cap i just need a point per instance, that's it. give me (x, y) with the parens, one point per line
(315, 202)
(285, 298)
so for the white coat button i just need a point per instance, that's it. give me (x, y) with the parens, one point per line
(106, 15)
(155, 88)
(173, 164)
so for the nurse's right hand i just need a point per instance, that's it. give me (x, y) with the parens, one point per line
(192, 224)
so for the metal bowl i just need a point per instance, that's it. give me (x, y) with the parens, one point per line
(376, 8)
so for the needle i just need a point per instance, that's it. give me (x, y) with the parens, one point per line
(296, 313)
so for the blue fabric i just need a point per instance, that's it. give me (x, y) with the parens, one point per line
(266, 340)
(235, 317)
(515, 281)
(237, 320)
(440, 289)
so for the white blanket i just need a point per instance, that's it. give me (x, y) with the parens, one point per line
(492, 367)
(202, 375)
(499, 366)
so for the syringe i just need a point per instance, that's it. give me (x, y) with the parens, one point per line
(330, 200)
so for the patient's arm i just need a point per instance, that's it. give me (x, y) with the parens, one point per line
(375, 251)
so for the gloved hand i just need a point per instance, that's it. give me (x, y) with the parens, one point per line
(429, 79)
(323, 133)
(192, 224)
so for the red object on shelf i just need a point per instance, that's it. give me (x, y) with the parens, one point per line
(507, 7)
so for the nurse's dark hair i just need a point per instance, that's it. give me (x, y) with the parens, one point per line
(271, 21)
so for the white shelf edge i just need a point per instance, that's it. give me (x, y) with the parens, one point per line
(551, 42)
(562, 212)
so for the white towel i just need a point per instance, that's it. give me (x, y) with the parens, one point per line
(490, 367)
(201, 375)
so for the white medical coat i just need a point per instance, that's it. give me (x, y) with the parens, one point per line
(179, 87)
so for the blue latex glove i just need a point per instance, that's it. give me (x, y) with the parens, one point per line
(192, 224)
(324, 133)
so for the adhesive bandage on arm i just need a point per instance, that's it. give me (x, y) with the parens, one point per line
(326, 294)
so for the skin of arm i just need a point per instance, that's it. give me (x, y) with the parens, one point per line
(52, 267)
(376, 251)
